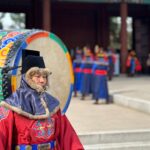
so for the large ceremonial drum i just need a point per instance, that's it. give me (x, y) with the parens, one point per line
(55, 55)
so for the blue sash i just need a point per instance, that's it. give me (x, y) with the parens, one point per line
(46, 146)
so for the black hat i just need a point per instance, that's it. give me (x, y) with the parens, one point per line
(26, 52)
(31, 59)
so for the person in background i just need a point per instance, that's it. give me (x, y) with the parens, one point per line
(96, 52)
(77, 70)
(148, 64)
(138, 67)
(111, 62)
(103, 53)
(131, 63)
(99, 70)
(86, 67)
(72, 54)
(31, 118)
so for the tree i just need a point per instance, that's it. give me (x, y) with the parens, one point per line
(2, 15)
(19, 21)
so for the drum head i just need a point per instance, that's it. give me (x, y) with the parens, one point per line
(56, 58)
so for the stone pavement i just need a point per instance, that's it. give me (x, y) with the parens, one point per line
(118, 117)
(87, 117)
(135, 87)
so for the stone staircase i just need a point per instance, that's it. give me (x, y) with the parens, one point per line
(134, 103)
(117, 140)
(122, 125)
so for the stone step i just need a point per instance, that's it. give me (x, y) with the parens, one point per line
(119, 146)
(134, 103)
(115, 137)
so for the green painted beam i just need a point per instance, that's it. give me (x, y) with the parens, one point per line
(146, 2)
(108, 1)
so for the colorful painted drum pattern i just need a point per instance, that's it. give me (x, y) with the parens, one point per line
(54, 52)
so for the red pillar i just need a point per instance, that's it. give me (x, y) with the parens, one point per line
(46, 15)
(123, 13)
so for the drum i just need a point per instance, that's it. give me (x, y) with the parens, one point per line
(51, 48)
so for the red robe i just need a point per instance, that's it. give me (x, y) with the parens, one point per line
(16, 129)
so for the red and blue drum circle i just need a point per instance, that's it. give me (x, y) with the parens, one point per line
(54, 52)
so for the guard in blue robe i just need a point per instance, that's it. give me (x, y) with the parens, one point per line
(77, 71)
(86, 79)
(99, 70)
(111, 61)
(131, 63)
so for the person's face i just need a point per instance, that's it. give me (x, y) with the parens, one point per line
(39, 79)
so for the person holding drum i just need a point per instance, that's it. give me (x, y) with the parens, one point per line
(30, 118)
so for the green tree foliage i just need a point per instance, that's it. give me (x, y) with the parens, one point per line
(115, 33)
(2, 15)
(115, 29)
(19, 20)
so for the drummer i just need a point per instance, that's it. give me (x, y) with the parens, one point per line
(31, 118)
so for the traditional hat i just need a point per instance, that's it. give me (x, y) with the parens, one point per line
(88, 52)
(26, 52)
(31, 58)
(100, 55)
(32, 61)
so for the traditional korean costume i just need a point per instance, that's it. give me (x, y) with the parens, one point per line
(31, 119)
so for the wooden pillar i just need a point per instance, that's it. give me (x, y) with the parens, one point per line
(46, 15)
(123, 13)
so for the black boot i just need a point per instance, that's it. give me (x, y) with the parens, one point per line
(96, 101)
(75, 93)
(83, 97)
(107, 101)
